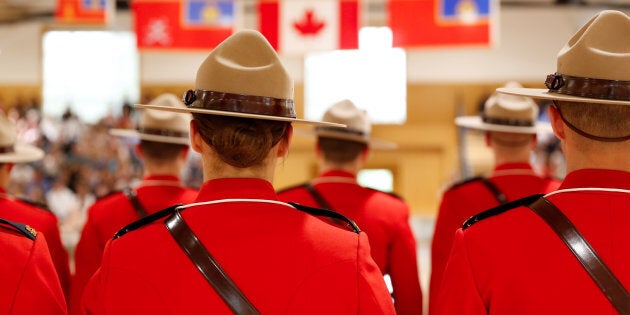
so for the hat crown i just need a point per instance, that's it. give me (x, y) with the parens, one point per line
(248, 57)
(165, 120)
(600, 49)
(345, 112)
(511, 107)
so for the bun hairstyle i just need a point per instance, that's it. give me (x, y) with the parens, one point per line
(240, 142)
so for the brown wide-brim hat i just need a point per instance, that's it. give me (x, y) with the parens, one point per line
(507, 113)
(10, 152)
(160, 126)
(594, 65)
(358, 125)
(242, 77)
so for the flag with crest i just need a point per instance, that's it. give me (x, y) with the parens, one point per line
(300, 26)
(417, 23)
(84, 11)
(184, 24)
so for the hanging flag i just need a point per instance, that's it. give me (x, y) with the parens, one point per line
(84, 11)
(300, 26)
(442, 22)
(183, 24)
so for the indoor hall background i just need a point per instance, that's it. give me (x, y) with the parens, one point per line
(442, 82)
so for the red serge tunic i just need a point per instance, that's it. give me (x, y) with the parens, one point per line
(29, 281)
(285, 261)
(513, 262)
(384, 218)
(111, 213)
(45, 222)
(463, 200)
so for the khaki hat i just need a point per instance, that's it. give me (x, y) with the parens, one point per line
(594, 65)
(160, 126)
(242, 77)
(10, 152)
(507, 113)
(358, 124)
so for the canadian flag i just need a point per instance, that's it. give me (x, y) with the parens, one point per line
(300, 26)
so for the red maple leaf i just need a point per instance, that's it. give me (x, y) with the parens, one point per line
(309, 25)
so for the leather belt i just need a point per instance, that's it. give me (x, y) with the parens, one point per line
(208, 267)
(586, 255)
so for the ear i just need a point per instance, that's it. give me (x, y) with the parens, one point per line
(365, 153)
(283, 148)
(195, 138)
(534, 142)
(556, 122)
(488, 138)
(9, 166)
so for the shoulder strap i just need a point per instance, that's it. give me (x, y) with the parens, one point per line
(582, 250)
(133, 198)
(335, 216)
(209, 268)
(496, 192)
(23, 229)
(317, 196)
(146, 220)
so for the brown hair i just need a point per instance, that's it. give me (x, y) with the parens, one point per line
(240, 142)
(601, 120)
(161, 152)
(340, 151)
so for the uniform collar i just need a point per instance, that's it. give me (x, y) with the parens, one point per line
(513, 166)
(597, 178)
(160, 180)
(337, 173)
(232, 188)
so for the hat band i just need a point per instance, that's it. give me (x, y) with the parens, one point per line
(507, 121)
(239, 103)
(587, 87)
(7, 149)
(343, 130)
(163, 132)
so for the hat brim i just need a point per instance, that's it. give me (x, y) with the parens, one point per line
(375, 144)
(475, 122)
(545, 94)
(22, 153)
(131, 133)
(236, 114)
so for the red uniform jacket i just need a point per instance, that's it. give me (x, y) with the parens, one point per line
(45, 222)
(30, 285)
(513, 262)
(463, 200)
(110, 214)
(384, 218)
(284, 260)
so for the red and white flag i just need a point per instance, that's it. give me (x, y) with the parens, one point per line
(300, 26)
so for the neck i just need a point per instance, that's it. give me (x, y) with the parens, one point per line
(610, 156)
(351, 167)
(214, 168)
(153, 169)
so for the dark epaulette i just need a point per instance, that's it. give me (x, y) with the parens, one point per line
(23, 229)
(146, 220)
(387, 192)
(113, 192)
(466, 181)
(36, 204)
(329, 214)
(500, 209)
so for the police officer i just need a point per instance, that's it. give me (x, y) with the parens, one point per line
(163, 147)
(238, 248)
(20, 210)
(29, 281)
(341, 153)
(510, 125)
(566, 252)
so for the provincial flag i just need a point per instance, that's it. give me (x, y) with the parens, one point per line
(84, 11)
(417, 23)
(300, 26)
(183, 24)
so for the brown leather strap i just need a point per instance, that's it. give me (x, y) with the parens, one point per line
(496, 192)
(209, 268)
(133, 198)
(582, 250)
(317, 196)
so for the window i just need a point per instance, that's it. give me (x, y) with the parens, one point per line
(380, 179)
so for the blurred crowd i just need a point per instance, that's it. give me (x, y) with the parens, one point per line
(83, 162)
